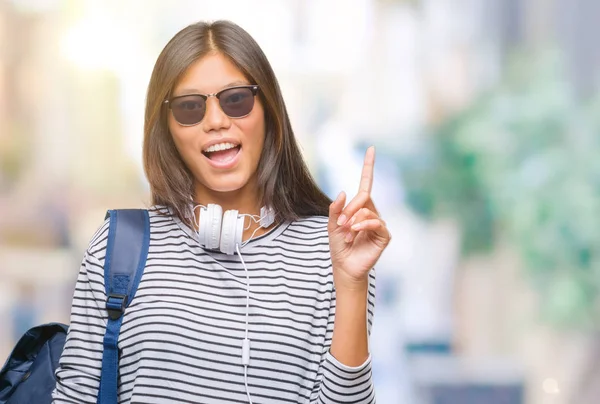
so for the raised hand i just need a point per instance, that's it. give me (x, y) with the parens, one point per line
(357, 235)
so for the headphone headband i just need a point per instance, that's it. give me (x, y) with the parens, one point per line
(224, 231)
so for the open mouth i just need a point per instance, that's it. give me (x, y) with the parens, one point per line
(222, 152)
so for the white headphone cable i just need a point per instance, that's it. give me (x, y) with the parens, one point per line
(246, 341)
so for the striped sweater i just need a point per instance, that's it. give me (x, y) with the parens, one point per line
(182, 334)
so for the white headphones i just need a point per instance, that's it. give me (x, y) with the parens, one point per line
(224, 231)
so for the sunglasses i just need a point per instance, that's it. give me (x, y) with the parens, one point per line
(236, 102)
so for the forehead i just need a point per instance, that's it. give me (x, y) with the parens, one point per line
(209, 74)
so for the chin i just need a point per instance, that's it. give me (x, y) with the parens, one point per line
(222, 185)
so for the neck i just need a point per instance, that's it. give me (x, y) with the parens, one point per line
(231, 203)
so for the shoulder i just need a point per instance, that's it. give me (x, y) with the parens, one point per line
(99, 240)
(308, 232)
(160, 214)
(313, 221)
(315, 225)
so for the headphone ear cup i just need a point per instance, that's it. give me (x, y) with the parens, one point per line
(212, 228)
(227, 230)
(202, 225)
(267, 216)
(239, 230)
(231, 233)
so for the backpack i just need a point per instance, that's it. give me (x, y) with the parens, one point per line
(28, 376)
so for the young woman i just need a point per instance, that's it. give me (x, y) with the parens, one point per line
(301, 289)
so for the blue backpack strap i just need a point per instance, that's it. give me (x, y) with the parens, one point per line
(126, 251)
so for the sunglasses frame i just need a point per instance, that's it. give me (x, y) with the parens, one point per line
(253, 87)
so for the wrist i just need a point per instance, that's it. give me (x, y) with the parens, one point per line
(349, 284)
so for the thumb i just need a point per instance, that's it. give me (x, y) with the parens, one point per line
(335, 209)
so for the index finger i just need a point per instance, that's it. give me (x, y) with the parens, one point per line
(366, 178)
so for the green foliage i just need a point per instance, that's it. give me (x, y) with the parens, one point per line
(522, 163)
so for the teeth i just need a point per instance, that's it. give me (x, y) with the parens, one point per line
(219, 147)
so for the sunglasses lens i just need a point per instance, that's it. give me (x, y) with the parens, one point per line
(189, 110)
(237, 102)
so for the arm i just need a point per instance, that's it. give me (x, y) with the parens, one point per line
(357, 237)
(349, 343)
(346, 375)
(78, 374)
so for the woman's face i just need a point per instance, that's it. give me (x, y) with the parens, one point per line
(221, 152)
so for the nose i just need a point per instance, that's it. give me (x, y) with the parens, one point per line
(214, 118)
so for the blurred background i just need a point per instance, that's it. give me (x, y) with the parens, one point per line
(485, 115)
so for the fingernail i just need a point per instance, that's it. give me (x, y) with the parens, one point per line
(341, 220)
(356, 227)
(352, 220)
(339, 197)
(348, 237)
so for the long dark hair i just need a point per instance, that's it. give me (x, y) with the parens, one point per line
(284, 180)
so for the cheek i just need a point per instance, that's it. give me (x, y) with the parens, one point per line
(184, 148)
(173, 131)
(171, 123)
(255, 130)
(180, 136)
(178, 143)
(255, 137)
